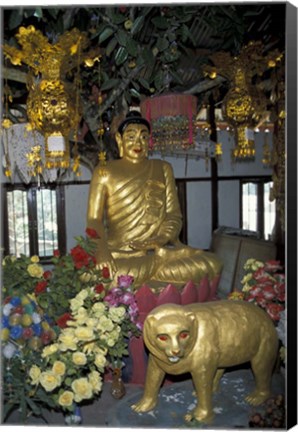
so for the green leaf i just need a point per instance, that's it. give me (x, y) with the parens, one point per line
(121, 36)
(159, 80)
(118, 18)
(162, 44)
(177, 77)
(137, 25)
(160, 22)
(132, 47)
(135, 93)
(144, 83)
(15, 19)
(111, 46)
(121, 55)
(112, 83)
(108, 31)
(34, 407)
(148, 56)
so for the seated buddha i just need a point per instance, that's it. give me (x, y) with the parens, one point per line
(133, 206)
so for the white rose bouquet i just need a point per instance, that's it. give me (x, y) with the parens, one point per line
(75, 362)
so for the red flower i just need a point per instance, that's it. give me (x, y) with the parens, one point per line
(56, 253)
(27, 333)
(105, 272)
(40, 287)
(62, 321)
(269, 292)
(46, 337)
(18, 309)
(7, 299)
(81, 258)
(99, 288)
(273, 310)
(280, 290)
(272, 266)
(47, 275)
(92, 233)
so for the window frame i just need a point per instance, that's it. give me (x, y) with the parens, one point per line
(31, 190)
(260, 182)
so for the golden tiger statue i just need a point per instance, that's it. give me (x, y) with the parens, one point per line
(204, 339)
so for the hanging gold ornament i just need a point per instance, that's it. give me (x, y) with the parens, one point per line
(51, 106)
(244, 105)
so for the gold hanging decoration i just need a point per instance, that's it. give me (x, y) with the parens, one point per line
(244, 105)
(51, 106)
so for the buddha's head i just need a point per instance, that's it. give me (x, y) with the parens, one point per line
(133, 137)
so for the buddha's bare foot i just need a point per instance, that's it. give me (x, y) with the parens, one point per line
(257, 397)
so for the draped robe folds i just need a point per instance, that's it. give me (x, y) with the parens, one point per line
(140, 202)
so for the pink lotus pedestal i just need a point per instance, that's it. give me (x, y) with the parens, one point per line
(147, 300)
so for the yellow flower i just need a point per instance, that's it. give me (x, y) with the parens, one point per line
(100, 361)
(49, 380)
(66, 398)
(68, 340)
(89, 347)
(98, 308)
(246, 288)
(34, 374)
(117, 313)
(73, 49)
(79, 358)
(84, 333)
(49, 350)
(75, 304)
(128, 24)
(6, 123)
(95, 381)
(34, 259)
(82, 389)
(83, 294)
(105, 324)
(246, 278)
(235, 295)
(59, 368)
(35, 270)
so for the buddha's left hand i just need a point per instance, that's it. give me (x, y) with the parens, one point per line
(152, 243)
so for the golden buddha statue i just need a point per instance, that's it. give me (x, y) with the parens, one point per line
(134, 209)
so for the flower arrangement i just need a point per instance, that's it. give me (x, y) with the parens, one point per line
(75, 362)
(56, 359)
(265, 286)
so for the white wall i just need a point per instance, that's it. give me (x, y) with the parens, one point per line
(198, 192)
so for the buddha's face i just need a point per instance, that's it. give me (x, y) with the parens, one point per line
(133, 143)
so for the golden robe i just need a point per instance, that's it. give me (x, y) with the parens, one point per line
(138, 202)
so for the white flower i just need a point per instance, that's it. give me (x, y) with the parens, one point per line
(9, 350)
(7, 309)
(36, 318)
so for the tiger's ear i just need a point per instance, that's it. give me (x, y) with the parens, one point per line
(191, 316)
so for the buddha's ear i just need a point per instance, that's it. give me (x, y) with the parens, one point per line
(118, 137)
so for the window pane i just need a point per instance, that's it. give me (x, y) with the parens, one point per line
(249, 206)
(18, 223)
(269, 211)
(47, 222)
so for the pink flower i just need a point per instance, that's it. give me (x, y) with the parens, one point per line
(269, 292)
(273, 310)
(127, 298)
(272, 266)
(125, 281)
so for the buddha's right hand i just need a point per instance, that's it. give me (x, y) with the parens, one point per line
(106, 260)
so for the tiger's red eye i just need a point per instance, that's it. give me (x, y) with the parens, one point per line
(184, 335)
(163, 338)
